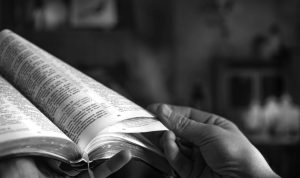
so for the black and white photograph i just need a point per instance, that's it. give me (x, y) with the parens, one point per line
(149, 88)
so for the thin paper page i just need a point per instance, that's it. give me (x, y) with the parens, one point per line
(136, 125)
(20, 119)
(78, 105)
(60, 98)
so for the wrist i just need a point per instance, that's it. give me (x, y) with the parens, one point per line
(256, 166)
(261, 173)
(264, 175)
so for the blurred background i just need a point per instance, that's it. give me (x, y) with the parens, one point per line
(239, 59)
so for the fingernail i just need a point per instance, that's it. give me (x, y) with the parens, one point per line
(166, 111)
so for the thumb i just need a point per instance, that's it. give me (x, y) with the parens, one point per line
(182, 126)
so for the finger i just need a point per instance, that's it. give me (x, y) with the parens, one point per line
(203, 117)
(196, 115)
(176, 122)
(199, 163)
(178, 161)
(190, 130)
(193, 114)
(187, 150)
(185, 111)
(113, 164)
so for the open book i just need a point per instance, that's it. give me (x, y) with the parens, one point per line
(50, 109)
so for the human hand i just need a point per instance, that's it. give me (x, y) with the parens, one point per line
(29, 168)
(217, 147)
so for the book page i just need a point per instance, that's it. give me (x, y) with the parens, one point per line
(78, 105)
(20, 119)
(24, 129)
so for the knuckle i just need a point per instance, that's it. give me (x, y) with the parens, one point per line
(181, 123)
(212, 129)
